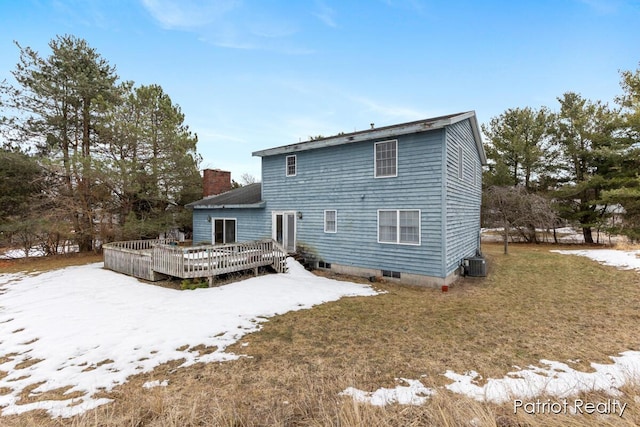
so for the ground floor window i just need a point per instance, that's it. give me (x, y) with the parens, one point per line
(224, 230)
(331, 221)
(399, 226)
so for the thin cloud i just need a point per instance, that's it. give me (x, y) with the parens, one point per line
(414, 5)
(86, 13)
(326, 14)
(187, 14)
(229, 24)
(603, 7)
(392, 111)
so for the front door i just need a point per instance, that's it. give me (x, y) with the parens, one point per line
(284, 229)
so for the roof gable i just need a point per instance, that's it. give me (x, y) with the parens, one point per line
(383, 132)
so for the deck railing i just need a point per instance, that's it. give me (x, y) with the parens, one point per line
(132, 257)
(154, 259)
(213, 260)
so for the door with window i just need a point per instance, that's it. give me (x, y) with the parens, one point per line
(284, 229)
(223, 230)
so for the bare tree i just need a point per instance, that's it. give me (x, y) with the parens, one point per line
(517, 209)
(247, 179)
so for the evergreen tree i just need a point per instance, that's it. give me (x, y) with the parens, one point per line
(59, 101)
(585, 135)
(114, 154)
(518, 147)
(626, 191)
(154, 160)
(20, 179)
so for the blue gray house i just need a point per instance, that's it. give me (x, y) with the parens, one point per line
(399, 201)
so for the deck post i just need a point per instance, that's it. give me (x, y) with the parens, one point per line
(212, 280)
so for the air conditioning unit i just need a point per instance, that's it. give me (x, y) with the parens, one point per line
(475, 266)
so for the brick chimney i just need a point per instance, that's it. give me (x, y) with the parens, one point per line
(215, 181)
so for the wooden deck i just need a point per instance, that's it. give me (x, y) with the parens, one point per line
(157, 259)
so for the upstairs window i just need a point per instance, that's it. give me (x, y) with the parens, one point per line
(386, 159)
(331, 221)
(291, 166)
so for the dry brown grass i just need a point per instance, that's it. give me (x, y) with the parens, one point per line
(627, 246)
(533, 305)
(37, 264)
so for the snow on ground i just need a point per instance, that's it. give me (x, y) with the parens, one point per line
(413, 394)
(88, 329)
(557, 379)
(20, 253)
(563, 235)
(626, 260)
(35, 252)
(156, 383)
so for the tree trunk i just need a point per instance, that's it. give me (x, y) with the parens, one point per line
(533, 237)
(506, 237)
(85, 242)
(588, 237)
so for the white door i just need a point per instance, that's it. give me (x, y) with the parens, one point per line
(284, 229)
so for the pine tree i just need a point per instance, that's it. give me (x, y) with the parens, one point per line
(585, 136)
(60, 100)
(518, 146)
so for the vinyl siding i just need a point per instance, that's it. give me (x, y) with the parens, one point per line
(342, 178)
(463, 197)
(251, 224)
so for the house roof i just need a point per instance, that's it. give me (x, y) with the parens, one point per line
(384, 132)
(249, 196)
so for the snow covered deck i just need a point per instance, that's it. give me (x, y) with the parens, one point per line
(156, 259)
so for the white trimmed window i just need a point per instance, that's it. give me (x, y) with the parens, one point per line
(291, 166)
(386, 159)
(224, 230)
(330, 221)
(399, 226)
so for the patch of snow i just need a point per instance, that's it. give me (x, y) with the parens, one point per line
(556, 379)
(20, 253)
(567, 235)
(626, 260)
(156, 383)
(413, 394)
(563, 235)
(35, 252)
(89, 328)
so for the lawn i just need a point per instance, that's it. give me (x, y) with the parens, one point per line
(533, 305)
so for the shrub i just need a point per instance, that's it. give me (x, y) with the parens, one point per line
(193, 284)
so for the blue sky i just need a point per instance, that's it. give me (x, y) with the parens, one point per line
(254, 74)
